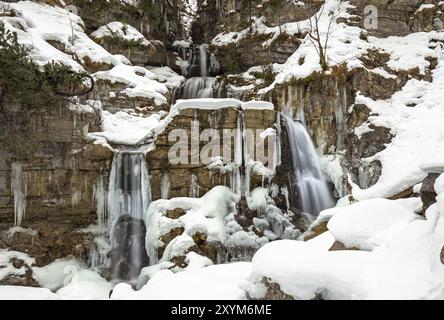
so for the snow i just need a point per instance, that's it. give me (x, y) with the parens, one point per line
(141, 82)
(121, 30)
(257, 199)
(257, 105)
(425, 6)
(26, 293)
(214, 103)
(205, 214)
(259, 27)
(196, 261)
(123, 128)
(205, 103)
(166, 75)
(217, 282)
(6, 266)
(368, 224)
(407, 52)
(404, 262)
(383, 73)
(332, 168)
(148, 272)
(418, 135)
(346, 46)
(52, 276)
(84, 284)
(36, 24)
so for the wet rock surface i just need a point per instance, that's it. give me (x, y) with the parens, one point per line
(128, 254)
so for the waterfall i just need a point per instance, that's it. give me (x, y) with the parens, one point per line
(203, 60)
(18, 190)
(128, 199)
(197, 87)
(313, 191)
(129, 189)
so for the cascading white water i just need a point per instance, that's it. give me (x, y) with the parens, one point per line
(203, 60)
(197, 87)
(129, 188)
(313, 191)
(128, 199)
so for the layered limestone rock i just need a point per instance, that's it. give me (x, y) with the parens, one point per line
(234, 15)
(255, 49)
(397, 18)
(192, 178)
(158, 20)
(47, 177)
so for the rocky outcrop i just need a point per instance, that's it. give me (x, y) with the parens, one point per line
(47, 178)
(428, 193)
(235, 15)
(113, 99)
(396, 18)
(159, 20)
(274, 291)
(255, 50)
(194, 177)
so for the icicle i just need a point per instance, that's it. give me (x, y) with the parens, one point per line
(278, 151)
(165, 186)
(235, 177)
(19, 191)
(194, 187)
(100, 198)
(76, 197)
(214, 65)
(284, 192)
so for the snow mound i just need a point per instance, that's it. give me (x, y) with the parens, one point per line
(121, 30)
(84, 284)
(37, 25)
(141, 82)
(26, 293)
(52, 276)
(368, 224)
(404, 265)
(217, 282)
(205, 214)
(123, 128)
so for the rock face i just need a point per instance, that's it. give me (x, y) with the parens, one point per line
(428, 193)
(47, 175)
(194, 178)
(155, 19)
(274, 291)
(255, 48)
(234, 15)
(252, 51)
(398, 18)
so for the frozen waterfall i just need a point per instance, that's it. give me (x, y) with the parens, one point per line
(18, 190)
(128, 199)
(313, 191)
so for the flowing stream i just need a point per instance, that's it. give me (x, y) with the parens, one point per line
(313, 191)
